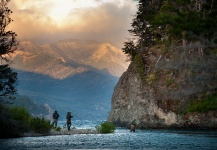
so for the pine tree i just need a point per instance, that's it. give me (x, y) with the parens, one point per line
(7, 42)
(142, 28)
(8, 79)
(7, 38)
(174, 22)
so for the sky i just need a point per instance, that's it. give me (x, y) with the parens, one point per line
(49, 21)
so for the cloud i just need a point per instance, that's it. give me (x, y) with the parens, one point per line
(103, 21)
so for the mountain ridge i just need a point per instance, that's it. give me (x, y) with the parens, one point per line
(64, 76)
(80, 93)
(72, 53)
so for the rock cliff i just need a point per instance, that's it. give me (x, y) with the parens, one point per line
(160, 96)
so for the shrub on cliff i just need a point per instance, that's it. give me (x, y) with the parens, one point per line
(139, 66)
(207, 104)
(106, 127)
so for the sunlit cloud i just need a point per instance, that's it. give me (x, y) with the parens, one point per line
(53, 20)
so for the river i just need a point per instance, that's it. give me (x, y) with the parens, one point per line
(121, 139)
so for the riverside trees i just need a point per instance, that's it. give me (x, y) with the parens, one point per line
(16, 120)
(188, 24)
(7, 38)
(7, 42)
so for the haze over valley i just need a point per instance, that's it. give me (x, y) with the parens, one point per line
(69, 55)
(70, 75)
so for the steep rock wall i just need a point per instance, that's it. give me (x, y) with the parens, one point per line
(159, 105)
(132, 101)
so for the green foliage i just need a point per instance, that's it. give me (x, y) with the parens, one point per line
(185, 20)
(20, 114)
(169, 82)
(139, 66)
(106, 127)
(8, 79)
(213, 52)
(22, 118)
(7, 38)
(14, 121)
(58, 128)
(130, 49)
(207, 104)
(8, 126)
(30, 105)
(174, 22)
(40, 125)
(191, 73)
(151, 78)
(7, 41)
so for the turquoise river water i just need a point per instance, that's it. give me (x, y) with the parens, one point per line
(121, 139)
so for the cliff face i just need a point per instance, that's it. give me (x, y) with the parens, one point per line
(131, 101)
(169, 86)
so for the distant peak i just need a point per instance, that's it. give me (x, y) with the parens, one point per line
(109, 47)
(77, 41)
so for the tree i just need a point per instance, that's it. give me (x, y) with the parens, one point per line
(142, 27)
(174, 22)
(8, 79)
(129, 48)
(7, 42)
(188, 20)
(7, 38)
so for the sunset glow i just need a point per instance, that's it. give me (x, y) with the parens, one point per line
(53, 20)
(61, 9)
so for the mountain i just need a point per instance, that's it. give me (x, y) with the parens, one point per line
(71, 75)
(86, 95)
(73, 56)
(33, 108)
(108, 56)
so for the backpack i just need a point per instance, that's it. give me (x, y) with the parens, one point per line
(55, 116)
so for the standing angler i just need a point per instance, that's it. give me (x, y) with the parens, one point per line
(68, 120)
(55, 118)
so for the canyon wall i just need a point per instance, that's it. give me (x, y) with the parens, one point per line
(160, 97)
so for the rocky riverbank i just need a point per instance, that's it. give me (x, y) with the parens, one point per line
(61, 132)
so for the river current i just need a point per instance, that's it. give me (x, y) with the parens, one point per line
(121, 139)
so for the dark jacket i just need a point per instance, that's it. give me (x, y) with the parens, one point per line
(68, 117)
(55, 115)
